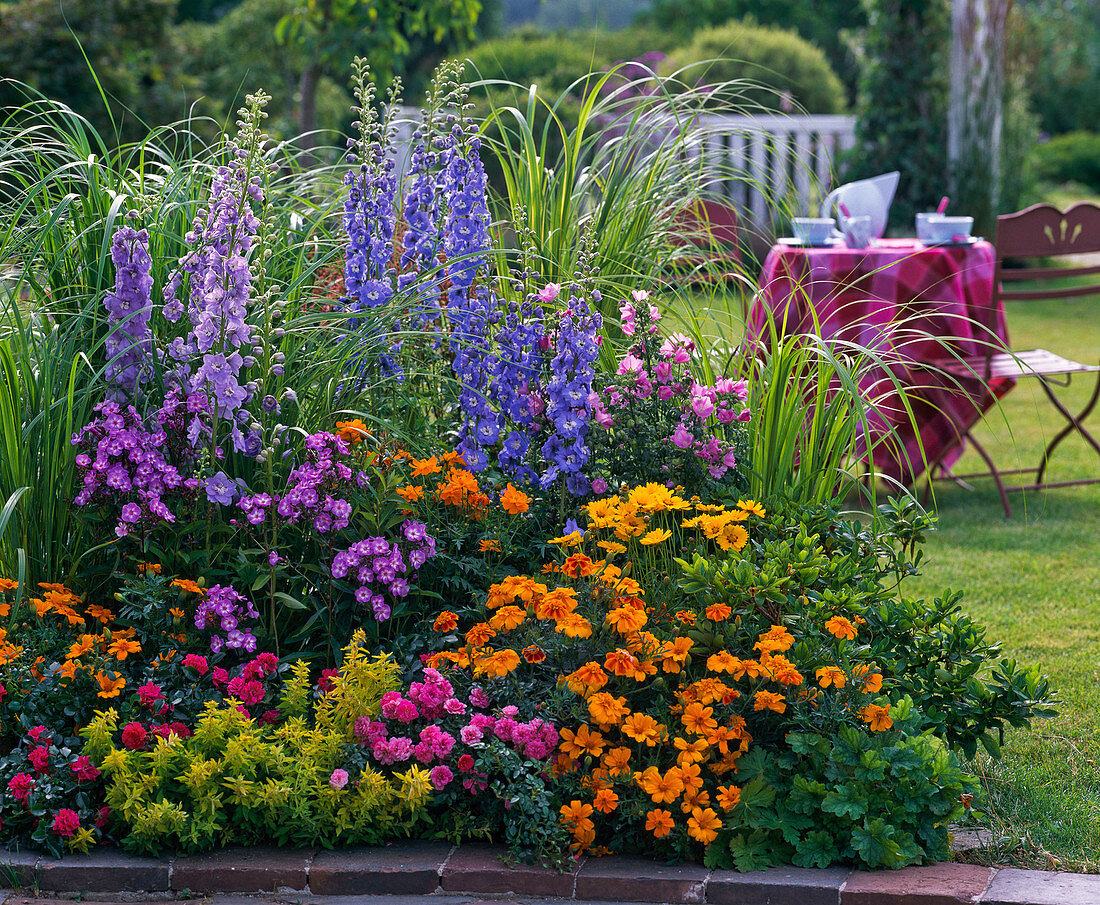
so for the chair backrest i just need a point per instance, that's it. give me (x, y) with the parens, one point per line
(1044, 231)
(710, 223)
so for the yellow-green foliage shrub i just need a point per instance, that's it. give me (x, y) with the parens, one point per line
(236, 781)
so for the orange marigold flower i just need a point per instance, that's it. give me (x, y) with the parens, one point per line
(690, 752)
(728, 796)
(783, 671)
(687, 618)
(703, 825)
(557, 604)
(81, 647)
(606, 710)
(488, 545)
(498, 664)
(606, 801)
(617, 761)
(873, 683)
(410, 493)
(514, 501)
(716, 612)
(777, 638)
(574, 812)
(587, 678)
(583, 741)
(627, 619)
(108, 687)
(698, 719)
(446, 621)
(643, 728)
(579, 566)
(749, 668)
(121, 648)
(533, 654)
(831, 675)
(353, 431)
(661, 788)
(723, 661)
(150, 568)
(769, 700)
(453, 458)
(507, 618)
(659, 822)
(675, 654)
(479, 633)
(841, 628)
(421, 467)
(574, 625)
(8, 584)
(656, 536)
(620, 662)
(68, 669)
(185, 584)
(877, 716)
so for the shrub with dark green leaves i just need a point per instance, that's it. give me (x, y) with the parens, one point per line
(932, 651)
(1073, 157)
(881, 800)
(787, 66)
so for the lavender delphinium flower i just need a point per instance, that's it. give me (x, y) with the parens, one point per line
(568, 392)
(222, 235)
(512, 370)
(369, 214)
(129, 307)
(470, 310)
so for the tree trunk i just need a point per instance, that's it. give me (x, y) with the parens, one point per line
(307, 110)
(974, 115)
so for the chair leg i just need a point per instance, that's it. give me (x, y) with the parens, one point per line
(993, 471)
(1074, 424)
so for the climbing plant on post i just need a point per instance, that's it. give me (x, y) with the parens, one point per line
(902, 119)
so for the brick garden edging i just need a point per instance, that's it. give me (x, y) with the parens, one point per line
(426, 868)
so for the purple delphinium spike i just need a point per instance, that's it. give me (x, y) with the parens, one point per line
(129, 307)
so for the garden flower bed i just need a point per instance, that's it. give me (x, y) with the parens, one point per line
(457, 550)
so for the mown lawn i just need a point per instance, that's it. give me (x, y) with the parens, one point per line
(1034, 582)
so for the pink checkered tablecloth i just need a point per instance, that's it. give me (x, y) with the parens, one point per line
(915, 306)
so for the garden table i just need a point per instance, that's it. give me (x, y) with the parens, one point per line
(918, 307)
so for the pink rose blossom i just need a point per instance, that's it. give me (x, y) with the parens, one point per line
(549, 292)
(440, 776)
(339, 778)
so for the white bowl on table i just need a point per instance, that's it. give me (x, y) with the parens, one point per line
(939, 229)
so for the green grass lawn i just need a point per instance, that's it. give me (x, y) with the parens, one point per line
(1034, 582)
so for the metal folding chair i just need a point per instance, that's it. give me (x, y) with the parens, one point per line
(1039, 233)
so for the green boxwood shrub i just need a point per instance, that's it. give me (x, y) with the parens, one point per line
(778, 60)
(1073, 157)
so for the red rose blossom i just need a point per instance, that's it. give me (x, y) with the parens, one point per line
(66, 822)
(40, 759)
(134, 736)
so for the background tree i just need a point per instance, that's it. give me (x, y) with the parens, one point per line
(130, 44)
(902, 121)
(329, 33)
(827, 23)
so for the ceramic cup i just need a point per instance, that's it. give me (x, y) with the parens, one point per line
(922, 224)
(813, 230)
(857, 231)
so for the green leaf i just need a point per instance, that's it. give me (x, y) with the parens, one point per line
(874, 843)
(752, 852)
(816, 849)
(289, 602)
(845, 802)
